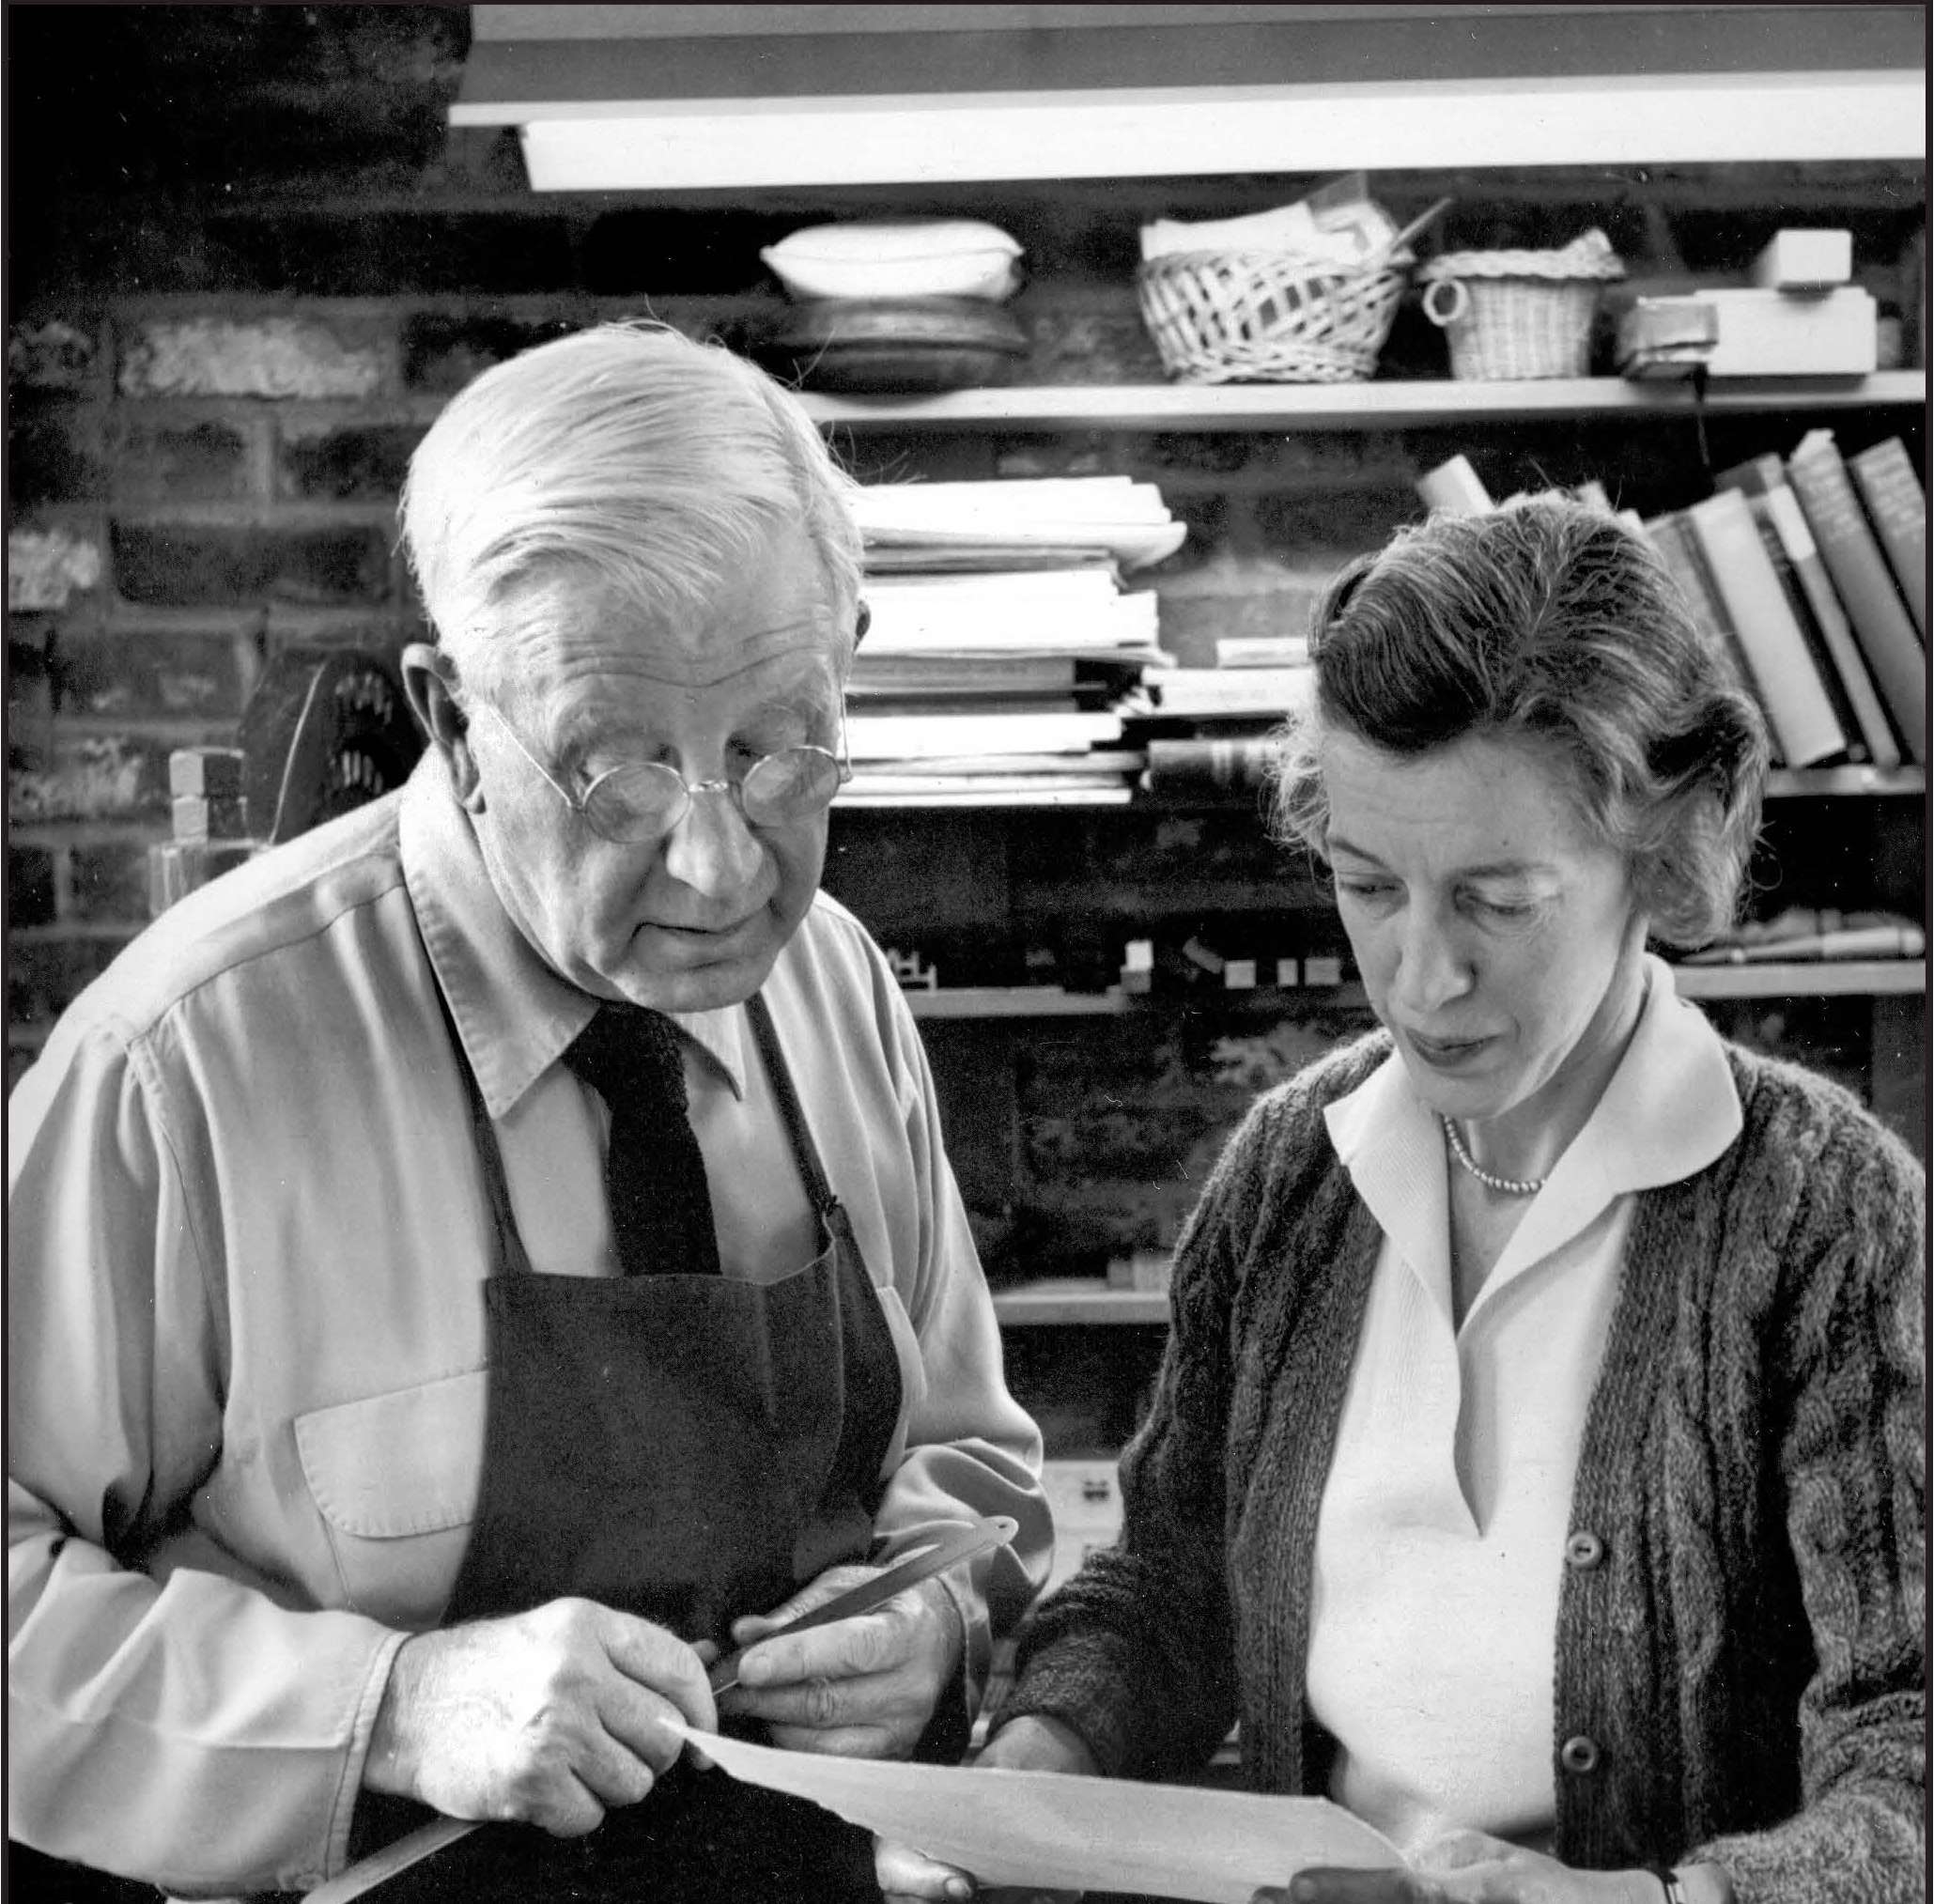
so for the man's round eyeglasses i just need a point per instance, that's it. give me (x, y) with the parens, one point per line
(644, 799)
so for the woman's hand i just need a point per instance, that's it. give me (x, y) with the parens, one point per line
(1029, 1744)
(862, 1688)
(1469, 1868)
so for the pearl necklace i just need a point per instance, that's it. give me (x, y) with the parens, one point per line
(1510, 1186)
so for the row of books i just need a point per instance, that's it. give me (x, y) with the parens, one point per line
(1003, 644)
(1810, 571)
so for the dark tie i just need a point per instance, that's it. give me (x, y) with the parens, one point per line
(654, 1176)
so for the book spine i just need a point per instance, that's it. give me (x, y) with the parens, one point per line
(1853, 559)
(1783, 510)
(1802, 612)
(1898, 510)
(1782, 670)
(1679, 549)
(1236, 764)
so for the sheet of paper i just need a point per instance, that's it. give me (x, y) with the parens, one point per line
(1057, 1830)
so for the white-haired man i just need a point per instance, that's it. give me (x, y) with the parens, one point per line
(466, 1262)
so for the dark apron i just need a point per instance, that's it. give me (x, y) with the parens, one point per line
(686, 1449)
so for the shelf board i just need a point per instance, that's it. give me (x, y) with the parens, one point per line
(1782, 783)
(1808, 978)
(1836, 782)
(1079, 1299)
(1350, 405)
(1796, 978)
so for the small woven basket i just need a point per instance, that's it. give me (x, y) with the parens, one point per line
(1519, 314)
(1266, 317)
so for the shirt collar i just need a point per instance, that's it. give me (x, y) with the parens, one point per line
(1670, 1109)
(513, 1013)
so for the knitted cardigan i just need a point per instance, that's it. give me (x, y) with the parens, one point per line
(1741, 1645)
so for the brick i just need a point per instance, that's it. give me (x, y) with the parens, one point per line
(56, 355)
(168, 566)
(53, 452)
(30, 886)
(279, 357)
(152, 676)
(201, 462)
(338, 465)
(109, 882)
(90, 778)
(47, 567)
(360, 253)
(1087, 335)
(1237, 594)
(44, 976)
(1345, 523)
(443, 352)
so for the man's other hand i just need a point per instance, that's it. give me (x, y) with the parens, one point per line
(861, 1688)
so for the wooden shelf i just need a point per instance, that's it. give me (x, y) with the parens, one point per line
(1350, 405)
(1811, 979)
(1798, 979)
(1838, 781)
(1077, 1299)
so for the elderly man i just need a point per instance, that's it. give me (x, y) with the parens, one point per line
(465, 1264)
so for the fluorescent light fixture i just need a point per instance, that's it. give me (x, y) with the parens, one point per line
(866, 139)
(612, 98)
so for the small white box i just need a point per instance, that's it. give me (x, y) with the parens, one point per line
(1319, 970)
(1785, 333)
(1239, 975)
(1805, 259)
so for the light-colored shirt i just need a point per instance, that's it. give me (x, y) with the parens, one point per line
(1441, 1535)
(246, 1347)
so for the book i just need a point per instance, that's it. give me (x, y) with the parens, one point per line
(1205, 692)
(1897, 508)
(914, 737)
(1864, 583)
(1763, 480)
(1781, 668)
(929, 674)
(1454, 485)
(1262, 650)
(1770, 540)
(1679, 549)
(1210, 765)
(1805, 259)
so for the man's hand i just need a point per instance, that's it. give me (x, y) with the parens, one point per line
(1029, 1744)
(550, 1717)
(1470, 1867)
(861, 1688)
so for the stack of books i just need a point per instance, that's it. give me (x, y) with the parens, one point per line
(1003, 644)
(1809, 571)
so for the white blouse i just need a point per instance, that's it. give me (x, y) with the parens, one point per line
(1440, 1539)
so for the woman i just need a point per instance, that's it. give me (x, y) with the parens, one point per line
(1537, 1466)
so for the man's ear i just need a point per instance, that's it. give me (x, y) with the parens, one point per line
(429, 678)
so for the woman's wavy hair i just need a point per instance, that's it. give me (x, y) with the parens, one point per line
(1549, 619)
(625, 452)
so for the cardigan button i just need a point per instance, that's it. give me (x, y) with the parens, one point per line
(1584, 1551)
(1579, 1754)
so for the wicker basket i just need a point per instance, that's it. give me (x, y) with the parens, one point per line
(1519, 314)
(1266, 317)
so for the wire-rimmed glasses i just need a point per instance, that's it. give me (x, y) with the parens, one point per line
(644, 799)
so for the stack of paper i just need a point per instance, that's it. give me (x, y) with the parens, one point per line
(1003, 643)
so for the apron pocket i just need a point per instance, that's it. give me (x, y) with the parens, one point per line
(395, 1479)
